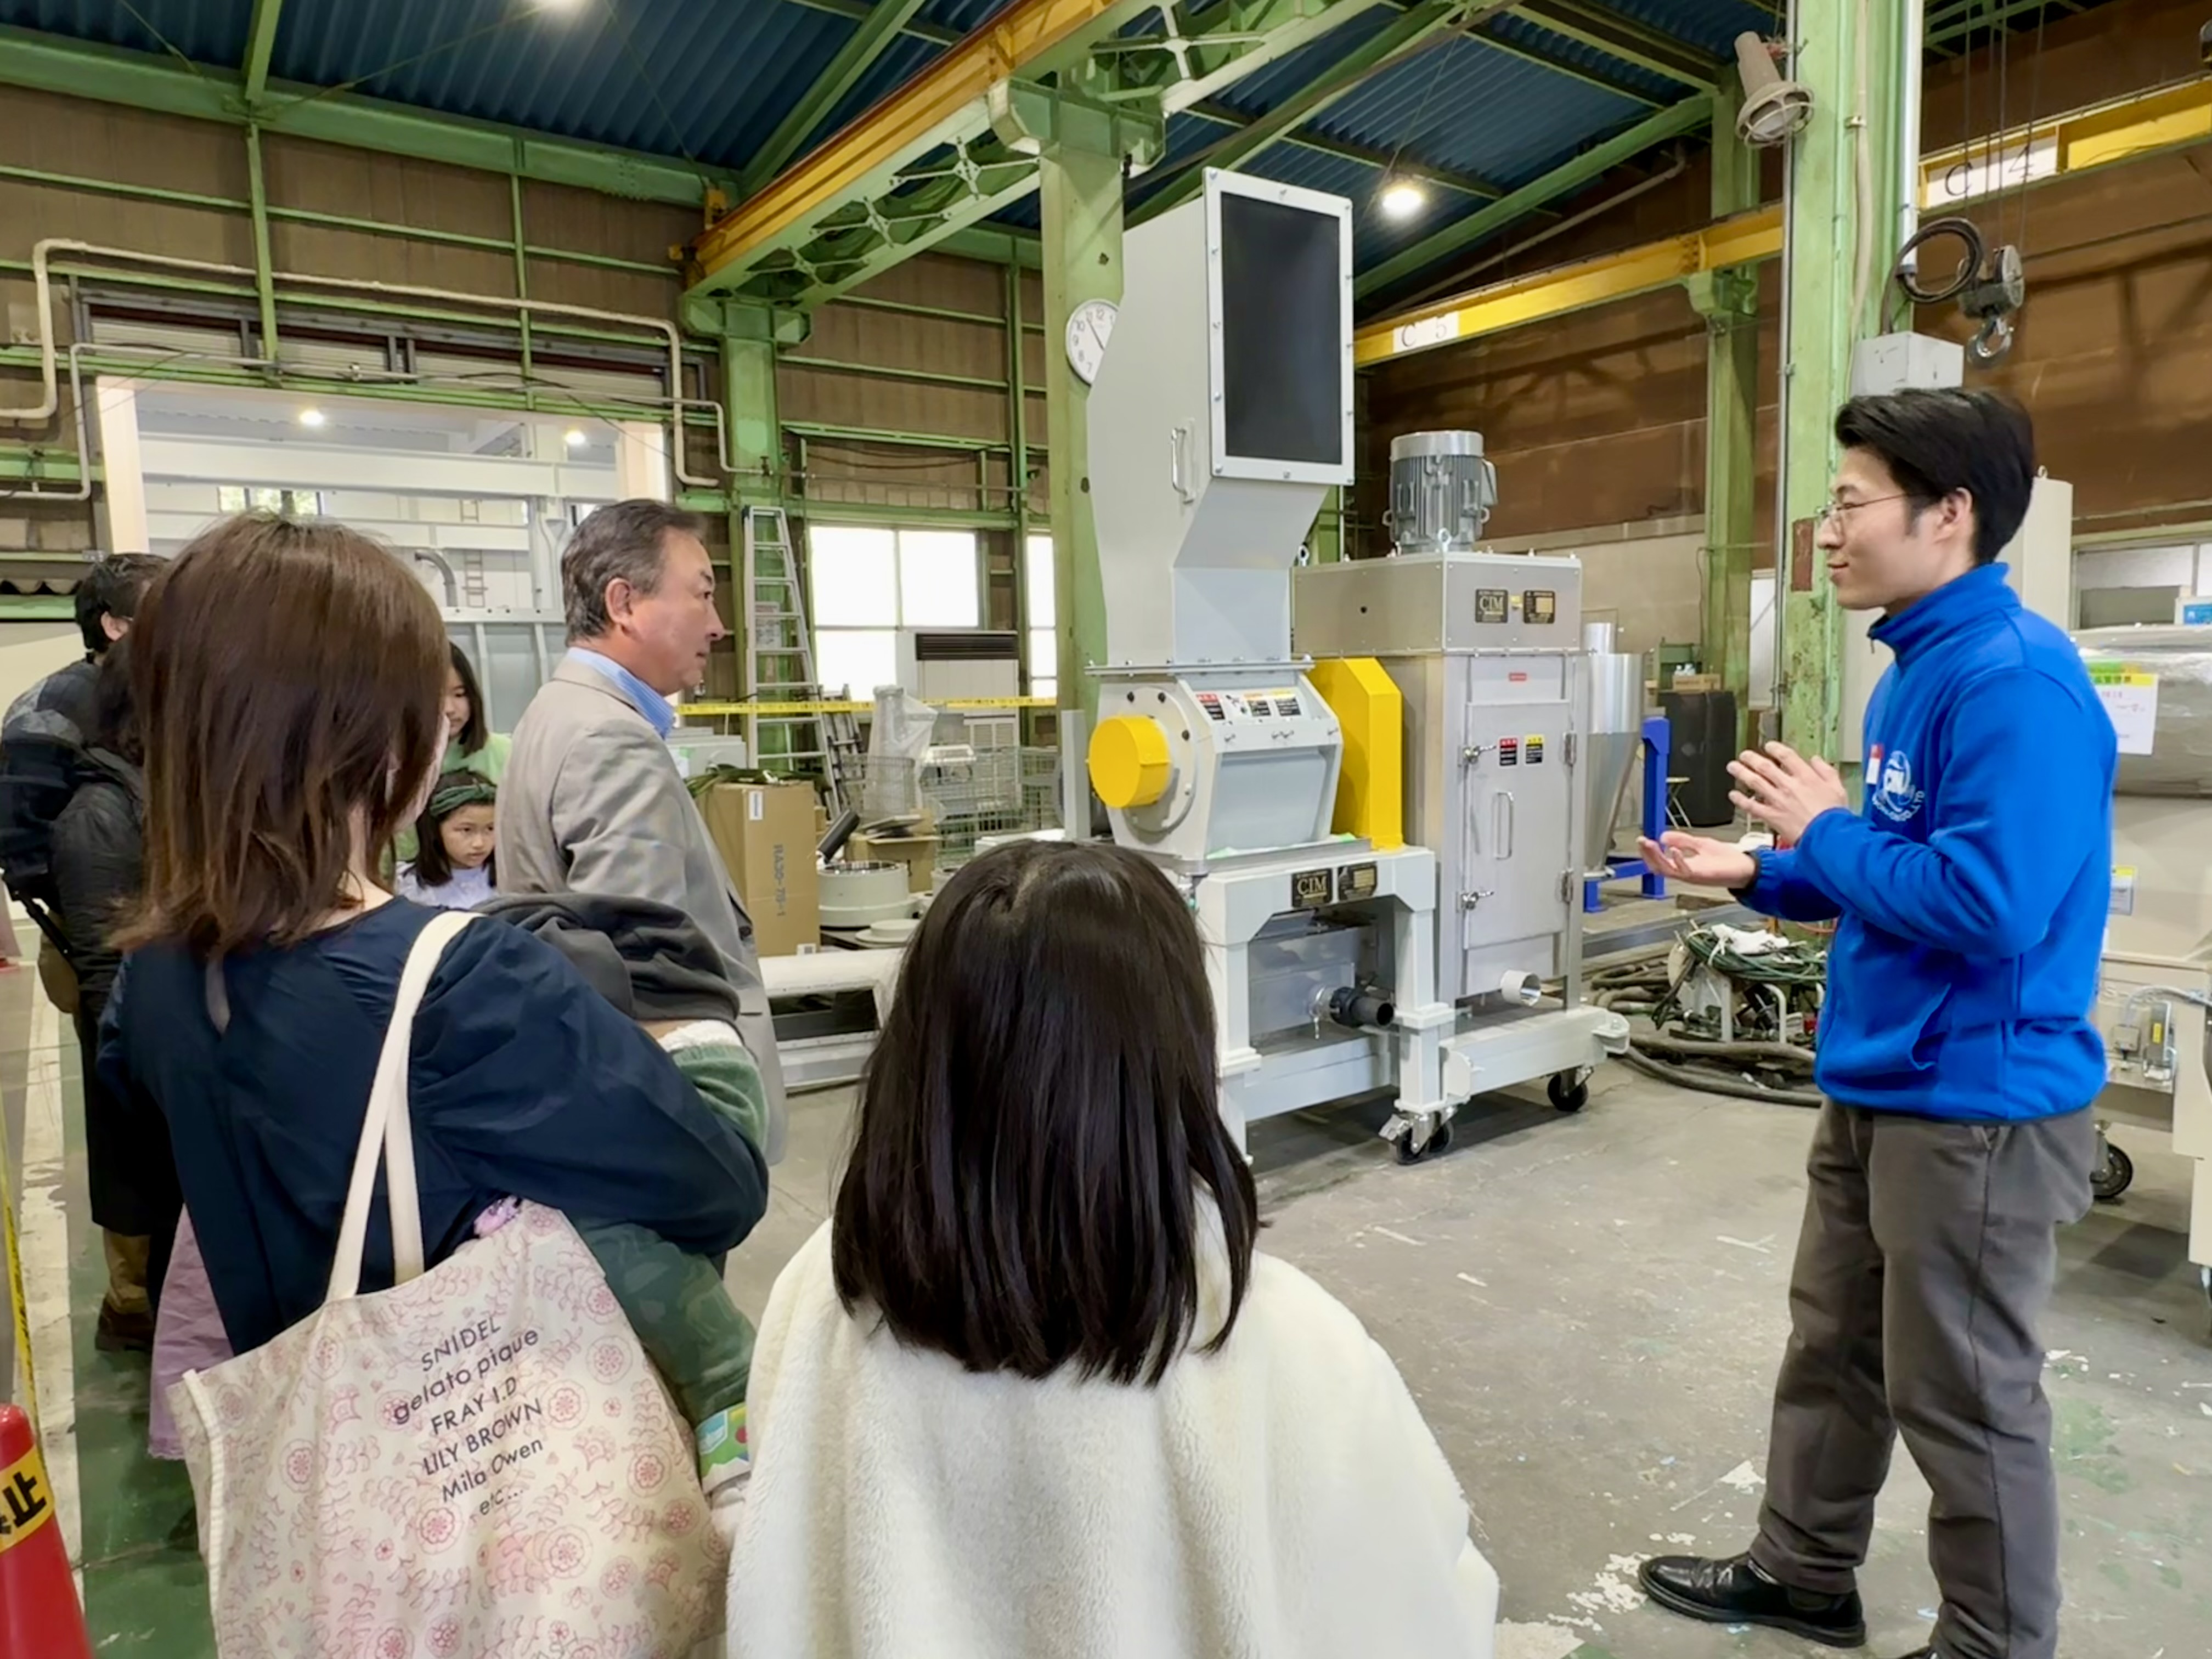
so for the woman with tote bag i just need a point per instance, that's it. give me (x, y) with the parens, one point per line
(478, 1461)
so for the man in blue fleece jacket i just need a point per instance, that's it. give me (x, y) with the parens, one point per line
(1955, 1049)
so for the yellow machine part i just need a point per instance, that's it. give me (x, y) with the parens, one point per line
(1129, 763)
(1370, 794)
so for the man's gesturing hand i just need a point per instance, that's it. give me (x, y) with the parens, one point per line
(1698, 859)
(1784, 790)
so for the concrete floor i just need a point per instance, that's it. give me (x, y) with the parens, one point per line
(1587, 1308)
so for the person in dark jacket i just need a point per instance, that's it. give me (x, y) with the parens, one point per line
(43, 738)
(99, 863)
(291, 676)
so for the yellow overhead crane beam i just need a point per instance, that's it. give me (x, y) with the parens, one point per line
(2059, 147)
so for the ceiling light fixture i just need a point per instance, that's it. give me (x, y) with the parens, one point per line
(1774, 110)
(313, 418)
(1402, 198)
(574, 437)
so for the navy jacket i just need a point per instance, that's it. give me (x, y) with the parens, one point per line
(524, 1081)
(1973, 888)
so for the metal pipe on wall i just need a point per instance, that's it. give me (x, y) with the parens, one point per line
(1912, 51)
(42, 282)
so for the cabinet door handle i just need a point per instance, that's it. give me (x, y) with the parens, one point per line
(1501, 823)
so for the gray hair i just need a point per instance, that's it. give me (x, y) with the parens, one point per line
(626, 542)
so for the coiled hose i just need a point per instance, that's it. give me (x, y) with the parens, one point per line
(1643, 987)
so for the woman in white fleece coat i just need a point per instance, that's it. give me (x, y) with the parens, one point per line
(1031, 1394)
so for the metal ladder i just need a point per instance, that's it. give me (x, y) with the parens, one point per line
(780, 663)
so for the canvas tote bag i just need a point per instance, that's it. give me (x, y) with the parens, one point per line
(478, 1463)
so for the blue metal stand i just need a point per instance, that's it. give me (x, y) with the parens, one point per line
(1658, 750)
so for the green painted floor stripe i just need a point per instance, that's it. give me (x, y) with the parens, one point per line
(145, 1592)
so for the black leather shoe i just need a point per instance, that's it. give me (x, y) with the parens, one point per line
(1928, 1652)
(1733, 1592)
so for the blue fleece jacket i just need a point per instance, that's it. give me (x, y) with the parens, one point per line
(1971, 893)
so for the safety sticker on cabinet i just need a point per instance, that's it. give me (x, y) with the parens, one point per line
(1532, 751)
(2123, 891)
(2130, 699)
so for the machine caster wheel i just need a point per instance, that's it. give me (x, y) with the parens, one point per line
(1439, 1140)
(2114, 1174)
(1569, 1090)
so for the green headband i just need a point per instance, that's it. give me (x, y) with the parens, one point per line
(459, 789)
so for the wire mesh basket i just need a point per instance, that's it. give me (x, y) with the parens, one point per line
(970, 793)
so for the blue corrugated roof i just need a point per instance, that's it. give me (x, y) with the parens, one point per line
(1711, 24)
(701, 78)
(712, 79)
(1532, 37)
(206, 31)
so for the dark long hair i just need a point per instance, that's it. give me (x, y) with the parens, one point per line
(291, 678)
(474, 731)
(434, 865)
(1040, 1110)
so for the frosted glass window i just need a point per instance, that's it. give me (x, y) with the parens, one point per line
(937, 579)
(856, 660)
(854, 577)
(1038, 555)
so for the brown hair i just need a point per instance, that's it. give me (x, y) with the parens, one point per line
(290, 680)
(1037, 1123)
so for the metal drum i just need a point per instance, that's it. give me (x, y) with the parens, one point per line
(1442, 489)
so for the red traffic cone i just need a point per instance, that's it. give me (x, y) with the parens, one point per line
(39, 1618)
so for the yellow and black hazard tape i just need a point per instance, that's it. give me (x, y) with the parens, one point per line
(16, 1301)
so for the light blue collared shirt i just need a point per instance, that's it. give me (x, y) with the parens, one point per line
(650, 703)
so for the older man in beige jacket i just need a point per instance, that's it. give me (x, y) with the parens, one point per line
(591, 801)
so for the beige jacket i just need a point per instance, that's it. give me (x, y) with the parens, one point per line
(591, 802)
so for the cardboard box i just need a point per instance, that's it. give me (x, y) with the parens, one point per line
(917, 853)
(765, 834)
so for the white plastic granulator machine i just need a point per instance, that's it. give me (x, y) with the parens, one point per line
(1219, 418)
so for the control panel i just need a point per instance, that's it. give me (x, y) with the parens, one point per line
(1287, 703)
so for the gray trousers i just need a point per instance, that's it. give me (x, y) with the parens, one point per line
(1926, 1261)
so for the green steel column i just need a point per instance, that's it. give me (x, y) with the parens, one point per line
(265, 268)
(522, 284)
(1080, 200)
(1729, 301)
(749, 342)
(1836, 263)
(1018, 465)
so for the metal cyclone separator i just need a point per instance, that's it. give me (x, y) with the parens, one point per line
(1268, 785)
(1519, 739)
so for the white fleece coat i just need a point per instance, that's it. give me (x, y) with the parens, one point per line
(1280, 1500)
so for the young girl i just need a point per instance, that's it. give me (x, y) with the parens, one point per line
(1032, 1393)
(452, 866)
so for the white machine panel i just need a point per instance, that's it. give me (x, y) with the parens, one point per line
(2039, 567)
(1220, 417)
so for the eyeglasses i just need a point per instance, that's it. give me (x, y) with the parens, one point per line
(1832, 512)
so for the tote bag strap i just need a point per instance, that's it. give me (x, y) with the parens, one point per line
(385, 1127)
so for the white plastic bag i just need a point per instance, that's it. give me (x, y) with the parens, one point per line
(480, 1461)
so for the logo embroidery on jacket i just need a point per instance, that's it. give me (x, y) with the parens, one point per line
(1896, 798)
